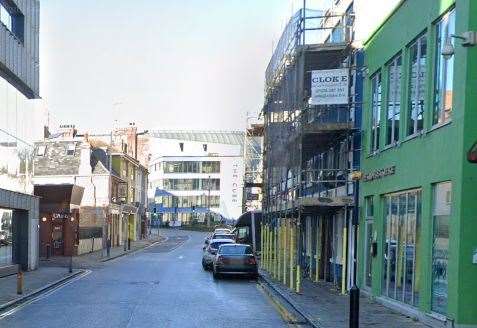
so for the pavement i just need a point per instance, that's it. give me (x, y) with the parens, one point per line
(163, 285)
(324, 307)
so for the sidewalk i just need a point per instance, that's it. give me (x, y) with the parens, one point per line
(326, 308)
(96, 259)
(32, 281)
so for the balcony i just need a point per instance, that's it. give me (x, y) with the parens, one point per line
(316, 189)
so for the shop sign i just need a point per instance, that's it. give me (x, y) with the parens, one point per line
(378, 174)
(329, 87)
(60, 216)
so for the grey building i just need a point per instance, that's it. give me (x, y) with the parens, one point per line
(20, 125)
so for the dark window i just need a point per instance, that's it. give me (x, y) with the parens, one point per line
(235, 250)
(375, 111)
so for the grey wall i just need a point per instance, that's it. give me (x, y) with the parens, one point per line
(19, 61)
(28, 209)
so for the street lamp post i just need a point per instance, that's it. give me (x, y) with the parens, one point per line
(70, 266)
(354, 291)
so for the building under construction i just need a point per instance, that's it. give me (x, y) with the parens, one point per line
(310, 148)
(253, 166)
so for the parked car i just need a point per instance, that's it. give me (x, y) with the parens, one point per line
(216, 235)
(222, 230)
(235, 259)
(211, 250)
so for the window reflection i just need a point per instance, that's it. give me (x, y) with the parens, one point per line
(5, 237)
(400, 249)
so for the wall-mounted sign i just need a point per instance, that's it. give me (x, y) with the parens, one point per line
(329, 87)
(378, 174)
(60, 216)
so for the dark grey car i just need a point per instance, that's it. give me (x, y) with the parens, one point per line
(235, 259)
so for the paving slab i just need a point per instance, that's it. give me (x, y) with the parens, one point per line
(325, 307)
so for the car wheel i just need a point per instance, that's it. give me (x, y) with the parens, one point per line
(215, 275)
(204, 266)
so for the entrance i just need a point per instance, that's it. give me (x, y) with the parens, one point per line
(57, 238)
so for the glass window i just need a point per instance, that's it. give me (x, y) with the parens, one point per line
(6, 18)
(212, 184)
(440, 247)
(70, 150)
(5, 237)
(394, 100)
(443, 79)
(402, 231)
(235, 250)
(417, 84)
(211, 167)
(40, 151)
(376, 111)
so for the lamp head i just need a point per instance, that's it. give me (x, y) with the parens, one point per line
(448, 49)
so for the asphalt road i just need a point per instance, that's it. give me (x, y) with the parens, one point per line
(162, 286)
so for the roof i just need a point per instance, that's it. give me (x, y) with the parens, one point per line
(220, 137)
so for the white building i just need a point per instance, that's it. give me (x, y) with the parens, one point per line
(194, 172)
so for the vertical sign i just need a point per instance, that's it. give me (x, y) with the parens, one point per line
(329, 87)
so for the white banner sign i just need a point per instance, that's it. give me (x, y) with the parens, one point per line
(329, 87)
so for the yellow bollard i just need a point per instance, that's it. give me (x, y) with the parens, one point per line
(343, 260)
(285, 225)
(292, 255)
(298, 278)
(318, 250)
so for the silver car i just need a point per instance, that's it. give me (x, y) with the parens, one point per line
(235, 259)
(211, 250)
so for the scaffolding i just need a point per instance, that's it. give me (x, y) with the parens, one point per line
(308, 151)
(253, 162)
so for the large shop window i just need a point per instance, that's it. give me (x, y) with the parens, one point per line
(376, 111)
(443, 80)
(402, 232)
(440, 247)
(394, 100)
(417, 84)
(6, 234)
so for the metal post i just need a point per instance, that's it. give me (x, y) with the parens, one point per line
(208, 202)
(20, 282)
(354, 291)
(70, 267)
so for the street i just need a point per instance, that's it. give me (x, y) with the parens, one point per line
(162, 286)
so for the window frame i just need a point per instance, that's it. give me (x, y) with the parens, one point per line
(397, 80)
(418, 43)
(376, 104)
(441, 64)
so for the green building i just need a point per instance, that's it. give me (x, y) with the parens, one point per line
(418, 225)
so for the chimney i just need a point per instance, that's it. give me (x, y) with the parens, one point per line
(85, 159)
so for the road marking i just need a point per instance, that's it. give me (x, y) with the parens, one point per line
(43, 295)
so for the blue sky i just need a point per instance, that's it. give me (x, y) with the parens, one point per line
(192, 64)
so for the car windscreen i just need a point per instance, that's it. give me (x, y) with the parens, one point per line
(218, 243)
(224, 236)
(235, 250)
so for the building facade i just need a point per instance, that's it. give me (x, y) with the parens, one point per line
(21, 123)
(418, 244)
(195, 175)
(103, 200)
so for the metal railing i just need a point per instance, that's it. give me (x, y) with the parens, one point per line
(307, 27)
(309, 183)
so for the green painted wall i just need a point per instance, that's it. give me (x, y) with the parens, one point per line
(434, 156)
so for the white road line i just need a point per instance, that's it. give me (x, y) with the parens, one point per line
(43, 295)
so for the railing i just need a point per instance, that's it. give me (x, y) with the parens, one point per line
(307, 27)
(310, 183)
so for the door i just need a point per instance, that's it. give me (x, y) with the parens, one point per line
(57, 238)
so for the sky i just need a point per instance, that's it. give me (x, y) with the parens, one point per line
(163, 64)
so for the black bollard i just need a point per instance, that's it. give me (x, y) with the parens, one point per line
(129, 243)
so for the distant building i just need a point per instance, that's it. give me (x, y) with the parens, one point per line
(21, 122)
(193, 173)
(103, 198)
